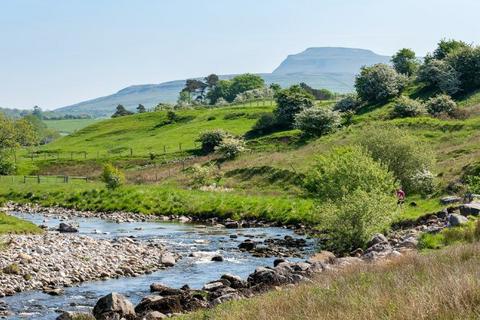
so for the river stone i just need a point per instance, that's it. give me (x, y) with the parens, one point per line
(450, 200)
(72, 315)
(154, 315)
(114, 306)
(470, 209)
(167, 259)
(164, 290)
(235, 281)
(247, 245)
(212, 286)
(376, 239)
(217, 258)
(456, 220)
(67, 228)
(322, 257)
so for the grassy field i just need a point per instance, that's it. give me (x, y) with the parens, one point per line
(9, 225)
(439, 285)
(69, 126)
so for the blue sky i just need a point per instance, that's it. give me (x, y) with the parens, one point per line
(59, 52)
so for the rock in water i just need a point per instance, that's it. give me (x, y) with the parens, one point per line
(114, 306)
(64, 227)
(217, 258)
(71, 315)
(167, 259)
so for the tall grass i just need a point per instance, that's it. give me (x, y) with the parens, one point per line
(441, 285)
(13, 225)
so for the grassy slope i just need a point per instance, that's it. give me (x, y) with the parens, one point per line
(440, 285)
(70, 125)
(9, 224)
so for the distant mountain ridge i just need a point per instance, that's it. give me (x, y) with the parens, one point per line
(331, 68)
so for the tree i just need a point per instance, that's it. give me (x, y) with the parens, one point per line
(350, 102)
(439, 75)
(141, 108)
(405, 62)
(245, 82)
(221, 90)
(378, 83)
(402, 154)
(37, 112)
(195, 89)
(290, 102)
(317, 121)
(319, 94)
(112, 177)
(211, 80)
(275, 87)
(211, 139)
(446, 47)
(441, 104)
(230, 147)
(121, 111)
(466, 62)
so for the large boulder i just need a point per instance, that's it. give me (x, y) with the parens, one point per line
(247, 245)
(114, 306)
(167, 259)
(450, 199)
(235, 281)
(376, 239)
(456, 220)
(184, 302)
(72, 315)
(164, 290)
(325, 257)
(472, 209)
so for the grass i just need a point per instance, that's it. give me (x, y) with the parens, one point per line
(69, 126)
(440, 285)
(13, 225)
(468, 233)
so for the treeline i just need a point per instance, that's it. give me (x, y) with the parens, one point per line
(44, 115)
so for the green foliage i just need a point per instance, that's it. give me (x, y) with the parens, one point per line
(319, 94)
(447, 47)
(121, 112)
(230, 147)
(378, 83)
(10, 224)
(112, 177)
(405, 62)
(409, 160)
(317, 121)
(141, 108)
(229, 89)
(467, 233)
(344, 170)
(359, 215)
(466, 62)
(405, 107)
(290, 102)
(350, 102)
(267, 123)
(7, 166)
(471, 177)
(212, 139)
(439, 75)
(441, 104)
(204, 175)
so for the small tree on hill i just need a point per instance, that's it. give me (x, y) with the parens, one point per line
(379, 83)
(441, 104)
(317, 121)
(112, 177)
(350, 102)
(211, 139)
(290, 102)
(121, 112)
(439, 75)
(141, 108)
(405, 107)
(405, 62)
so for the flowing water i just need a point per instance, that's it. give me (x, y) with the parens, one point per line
(178, 237)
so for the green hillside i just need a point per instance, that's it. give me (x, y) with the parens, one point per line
(69, 126)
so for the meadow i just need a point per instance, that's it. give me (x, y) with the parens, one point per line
(68, 126)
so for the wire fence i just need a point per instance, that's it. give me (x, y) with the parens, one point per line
(39, 179)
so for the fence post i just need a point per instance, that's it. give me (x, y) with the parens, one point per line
(131, 152)
(71, 155)
(38, 179)
(180, 146)
(85, 155)
(164, 149)
(24, 179)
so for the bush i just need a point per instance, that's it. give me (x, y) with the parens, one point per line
(438, 74)
(112, 177)
(211, 139)
(353, 221)
(317, 121)
(378, 83)
(204, 175)
(290, 102)
(466, 62)
(405, 62)
(344, 170)
(405, 107)
(6, 166)
(266, 123)
(221, 102)
(349, 103)
(423, 182)
(441, 104)
(230, 147)
(401, 153)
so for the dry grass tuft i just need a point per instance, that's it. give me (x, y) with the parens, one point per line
(440, 285)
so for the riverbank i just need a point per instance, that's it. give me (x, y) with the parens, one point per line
(52, 261)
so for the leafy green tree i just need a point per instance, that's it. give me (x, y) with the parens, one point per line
(244, 82)
(121, 112)
(221, 90)
(466, 62)
(439, 75)
(230, 147)
(211, 80)
(275, 87)
(211, 139)
(319, 94)
(405, 62)
(402, 154)
(350, 102)
(317, 121)
(448, 46)
(291, 101)
(141, 108)
(378, 83)
(37, 112)
(344, 170)
(112, 177)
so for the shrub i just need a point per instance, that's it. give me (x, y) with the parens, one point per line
(112, 177)
(378, 83)
(266, 123)
(11, 269)
(204, 175)
(401, 153)
(349, 103)
(230, 147)
(466, 62)
(405, 62)
(317, 121)
(6, 166)
(423, 182)
(211, 139)
(353, 221)
(440, 75)
(441, 104)
(344, 170)
(221, 102)
(405, 107)
(290, 102)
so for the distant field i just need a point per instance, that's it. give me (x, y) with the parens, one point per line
(66, 127)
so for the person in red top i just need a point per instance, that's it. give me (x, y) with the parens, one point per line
(400, 196)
